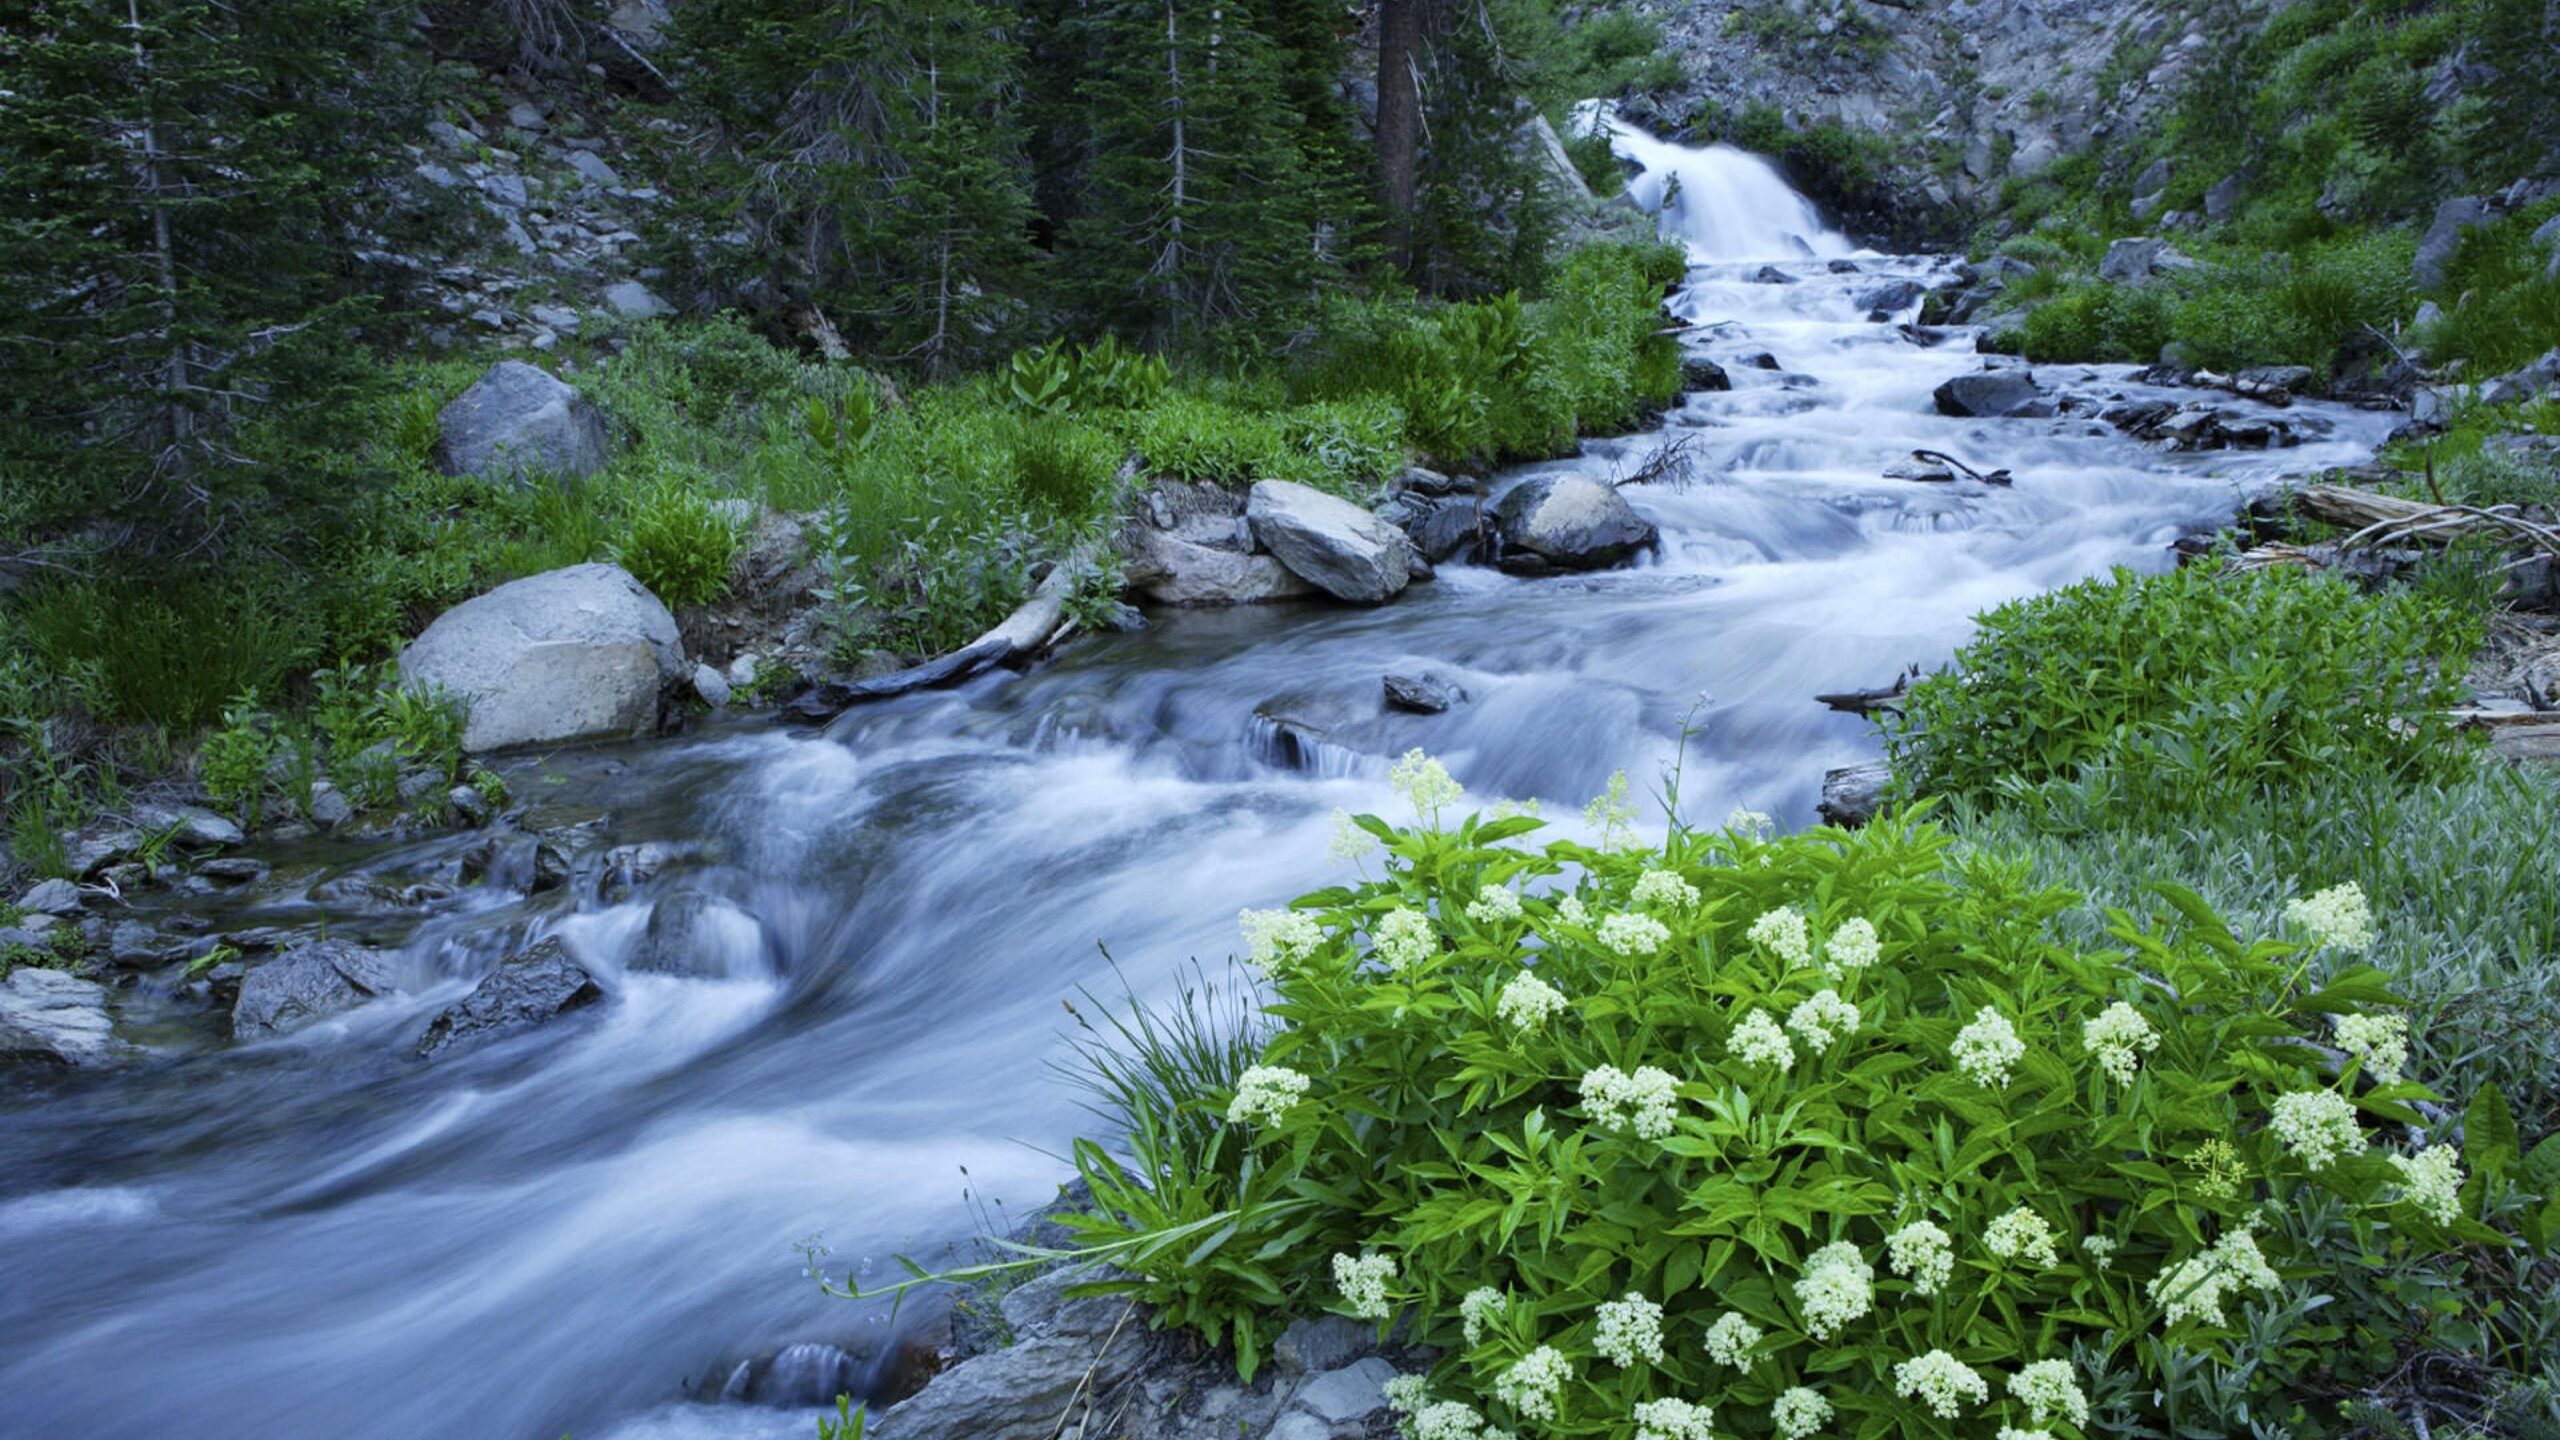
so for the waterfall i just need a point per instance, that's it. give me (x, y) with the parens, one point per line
(1725, 204)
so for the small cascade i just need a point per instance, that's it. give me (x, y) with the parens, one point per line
(1726, 204)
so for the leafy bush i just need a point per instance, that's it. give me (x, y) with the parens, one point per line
(1811, 1129)
(1062, 467)
(168, 652)
(233, 761)
(2181, 693)
(677, 544)
(2502, 305)
(2097, 321)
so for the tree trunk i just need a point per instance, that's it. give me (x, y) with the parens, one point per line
(1400, 55)
(176, 426)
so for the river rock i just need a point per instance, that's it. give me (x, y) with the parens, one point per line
(52, 897)
(1331, 543)
(314, 979)
(1447, 531)
(189, 827)
(695, 936)
(1993, 394)
(1883, 302)
(1570, 521)
(573, 654)
(528, 988)
(2444, 236)
(50, 1018)
(1061, 1347)
(518, 421)
(2526, 383)
(1771, 275)
(1852, 794)
(1698, 373)
(2139, 259)
(1166, 569)
(1425, 693)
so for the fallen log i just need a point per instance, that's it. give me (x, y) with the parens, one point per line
(1019, 636)
(1951, 468)
(2379, 520)
(1868, 702)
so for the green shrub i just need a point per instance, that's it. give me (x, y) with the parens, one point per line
(233, 761)
(2097, 321)
(166, 652)
(1184, 436)
(2502, 307)
(2186, 692)
(1063, 468)
(677, 544)
(1610, 1129)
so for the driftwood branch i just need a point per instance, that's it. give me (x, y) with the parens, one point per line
(1953, 466)
(1673, 463)
(2383, 520)
(1868, 702)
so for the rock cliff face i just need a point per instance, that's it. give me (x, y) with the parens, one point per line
(1944, 102)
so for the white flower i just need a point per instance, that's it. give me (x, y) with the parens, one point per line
(1853, 946)
(2011, 1432)
(2318, 1126)
(1782, 932)
(1448, 1420)
(1526, 1001)
(1824, 1018)
(2432, 1182)
(1264, 1094)
(1838, 1286)
(1800, 1412)
(1627, 1329)
(1940, 1380)
(1674, 1420)
(1988, 1049)
(1730, 1339)
(2380, 1044)
(2193, 1289)
(1570, 911)
(2101, 1248)
(1632, 935)
(1494, 903)
(2337, 917)
(1754, 823)
(1478, 1309)
(1425, 784)
(1611, 815)
(1277, 937)
(1405, 1393)
(2049, 1389)
(1349, 842)
(1924, 1253)
(1363, 1281)
(1646, 1102)
(1529, 1387)
(1403, 938)
(2119, 1037)
(1759, 1041)
(1664, 889)
(2020, 1233)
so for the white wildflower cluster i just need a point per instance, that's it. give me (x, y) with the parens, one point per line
(1800, 1412)
(1632, 935)
(1646, 1102)
(1349, 841)
(1854, 946)
(1664, 890)
(1628, 1329)
(2020, 1234)
(2432, 1182)
(1448, 1420)
(1730, 1339)
(2318, 1126)
(1783, 933)
(1940, 1381)
(1403, 938)
(2119, 1037)
(1477, 1310)
(2050, 1391)
(2380, 1044)
(1759, 1041)
(1362, 1279)
(1924, 1253)
(1280, 937)
(1493, 904)
(1527, 1002)
(1405, 1394)
(1611, 815)
(2337, 918)
(2101, 1248)
(1674, 1420)
(1529, 1388)
(2194, 1288)
(1987, 1050)
(1821, 1020)
(2011, 1432)
(1570, 910)
(1264, 1094)
(1742, 820)
(1425, 784)
(1838, 1286)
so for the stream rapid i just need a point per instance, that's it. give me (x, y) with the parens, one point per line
(584, 1230)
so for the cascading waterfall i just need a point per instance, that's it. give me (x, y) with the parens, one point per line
(1724, 203)
(321, 1236)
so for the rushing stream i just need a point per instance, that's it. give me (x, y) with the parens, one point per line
(583, 1230)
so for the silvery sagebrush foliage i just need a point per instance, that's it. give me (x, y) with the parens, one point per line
(1994, 1181)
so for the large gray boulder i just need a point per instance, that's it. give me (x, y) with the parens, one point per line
(1569, 521)
(308, 982)
(1992, 394)
(2444, 236)
(517, 421)
(2547, 239)
(574, 654)
(1061, 1348)
(2139, 259)
(1330, 543)
(50, 1018)
(1169, 569)
(529, 987)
